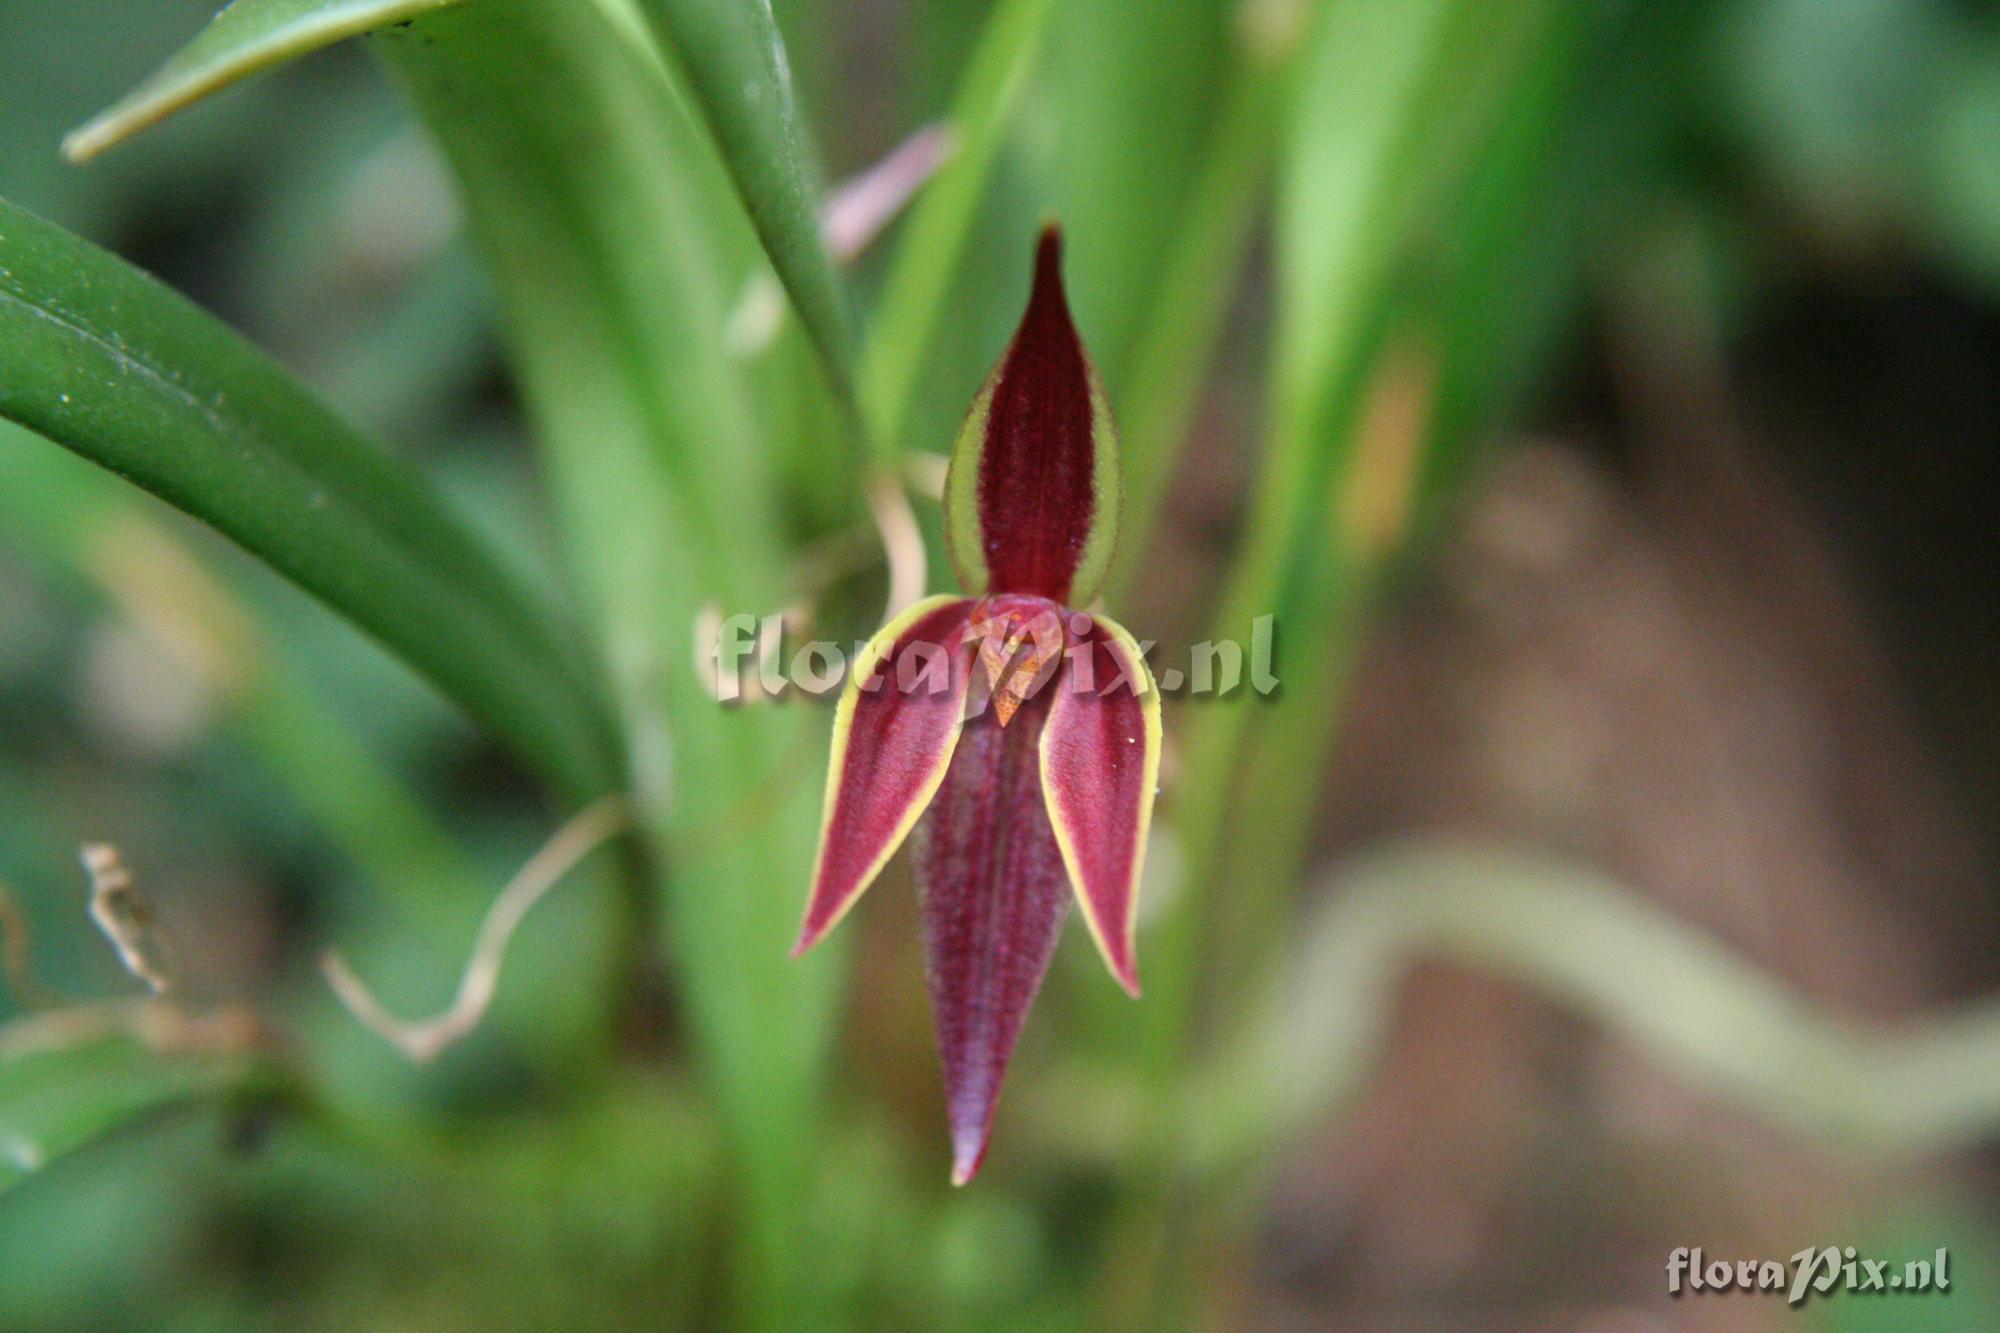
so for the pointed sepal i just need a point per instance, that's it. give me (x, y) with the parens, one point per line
(994, 897)
(893, 736)
(1100, 766)
(1031, 498)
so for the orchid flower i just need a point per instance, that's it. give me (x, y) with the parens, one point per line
(1018, 739)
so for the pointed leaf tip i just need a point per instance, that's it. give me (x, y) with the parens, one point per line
(1031, 502)
(893, 737)
(244, 38)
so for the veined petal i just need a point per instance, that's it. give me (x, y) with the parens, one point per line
(1031, 499)
(1100, 765)
(995, 894)
(893, 736)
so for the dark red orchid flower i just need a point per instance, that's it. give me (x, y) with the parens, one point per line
(1048, 790)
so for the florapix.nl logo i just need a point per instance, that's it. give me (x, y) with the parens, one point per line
(746, 658)
(1814, 1271)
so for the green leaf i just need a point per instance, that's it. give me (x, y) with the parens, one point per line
(933, 242)
(1357, 108)
(80, 527)
(247, 38)
(54, 1102)
(1133, 91)
(110, 364)
(1193, 285)
(1415, 138)
(612, 270)
(1442, 154)
(733, 60)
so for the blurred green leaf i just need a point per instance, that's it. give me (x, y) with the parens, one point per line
(108, 363)
(1405, 168)
(1395, 110)
(1833, 95)
(934, 238)
(1195, 284)
(1126, 106)
(613, 273)
(54, 1102)
(246, 38)
(1962, 204)
(82, 524)
(733, 60)
(1355, 116)
(1352, 146)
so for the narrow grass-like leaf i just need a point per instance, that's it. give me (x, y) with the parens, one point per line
(86, 530)
(1393, 107)
(934, 237)
(1132, 93)
(54, 1102)
(1477, 127)
(1192, 293)
(615, 268)
(1357, 107)
(108, 363)
(246, 38)
(733, 60)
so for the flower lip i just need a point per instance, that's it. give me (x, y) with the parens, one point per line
(1021, 641)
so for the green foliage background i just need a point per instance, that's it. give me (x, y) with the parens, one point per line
(501, 243)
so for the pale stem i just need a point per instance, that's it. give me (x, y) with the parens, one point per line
(423, 1040)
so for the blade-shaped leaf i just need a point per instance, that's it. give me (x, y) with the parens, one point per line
(933, 241)
(1192, 290)
(1467, 109)
(80, 526)
(54, 1102)
(733, 59)
(1134, 88)
(246, 38)
(614, 268)
(110, 364)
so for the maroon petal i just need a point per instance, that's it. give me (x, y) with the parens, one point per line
(1031, 500)
(1100, 765)
(995, 893)
(893, 736)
